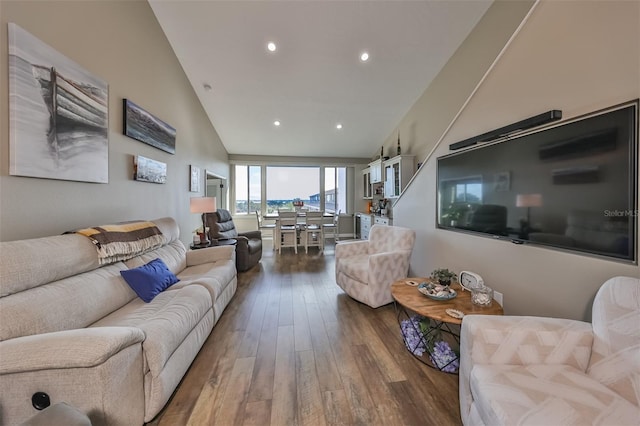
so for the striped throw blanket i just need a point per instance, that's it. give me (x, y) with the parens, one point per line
(124, 240)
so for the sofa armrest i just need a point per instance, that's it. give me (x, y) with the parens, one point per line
(86, 347)
(242, 243)
(524, 340)
(210, 254)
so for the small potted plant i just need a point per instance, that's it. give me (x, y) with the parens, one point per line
(443, 276)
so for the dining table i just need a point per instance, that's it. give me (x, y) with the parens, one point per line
(301, 221)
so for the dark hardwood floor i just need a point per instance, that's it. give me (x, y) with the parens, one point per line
(293, 349)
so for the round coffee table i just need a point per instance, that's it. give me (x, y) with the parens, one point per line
(430, 322)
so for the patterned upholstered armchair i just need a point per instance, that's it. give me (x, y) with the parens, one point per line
(365, 270)
(547, 371)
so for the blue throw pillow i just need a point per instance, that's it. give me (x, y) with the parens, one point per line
(149, 280)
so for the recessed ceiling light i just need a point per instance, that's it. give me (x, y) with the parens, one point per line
(271, 46)
(276, 123)
(338, 126)
(364, 56)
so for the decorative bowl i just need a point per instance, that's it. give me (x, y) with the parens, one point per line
(436, 291)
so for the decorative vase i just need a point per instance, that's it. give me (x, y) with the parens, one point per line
(482, 296)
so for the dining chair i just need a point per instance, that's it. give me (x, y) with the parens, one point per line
(288, 230)
(331, 228)
(313, 231)
(266, 226)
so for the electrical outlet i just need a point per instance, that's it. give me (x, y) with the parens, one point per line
(498, 297)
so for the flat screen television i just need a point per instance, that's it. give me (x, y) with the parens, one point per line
(571, 185)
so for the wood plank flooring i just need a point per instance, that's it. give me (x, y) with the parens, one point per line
(293, 349)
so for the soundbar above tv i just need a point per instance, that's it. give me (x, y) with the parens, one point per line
(571, 186)
(528, 123)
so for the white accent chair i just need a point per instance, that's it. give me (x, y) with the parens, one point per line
(547, 371)
(365, 270)
(314, 231)
(288, 230)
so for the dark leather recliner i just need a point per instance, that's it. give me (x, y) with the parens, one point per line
(249, 247)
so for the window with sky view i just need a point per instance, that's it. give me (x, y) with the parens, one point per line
(284, 184)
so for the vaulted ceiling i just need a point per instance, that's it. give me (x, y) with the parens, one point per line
(315, 79)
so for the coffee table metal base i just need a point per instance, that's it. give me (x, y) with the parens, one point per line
(436, 342)
(421, 343)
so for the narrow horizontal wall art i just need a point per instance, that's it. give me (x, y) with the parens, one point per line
(145, 127)
(148, 170)
(58, 114)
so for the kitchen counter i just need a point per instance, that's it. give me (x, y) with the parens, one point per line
(364, 221)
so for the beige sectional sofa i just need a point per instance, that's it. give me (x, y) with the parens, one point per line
(77, 332)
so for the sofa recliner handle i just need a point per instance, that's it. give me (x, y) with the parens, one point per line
(40, 401)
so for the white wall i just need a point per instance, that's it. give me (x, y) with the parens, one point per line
(121, 42)
(574, 56)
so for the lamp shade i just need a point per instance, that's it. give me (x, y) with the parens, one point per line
(203, 204)
(528, 200)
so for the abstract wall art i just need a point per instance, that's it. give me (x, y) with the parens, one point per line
(145, 127)
(148, 170)
(58, 114)
(195, 176)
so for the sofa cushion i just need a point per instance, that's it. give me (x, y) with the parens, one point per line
(150, 279)
(28, 264)
(214, 276)
(66, 304)
(546, 394)
(172, 254)
(166, 321)
(356, 267)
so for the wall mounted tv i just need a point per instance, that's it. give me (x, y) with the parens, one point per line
(572, 186)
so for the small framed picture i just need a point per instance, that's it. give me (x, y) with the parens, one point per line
(502, 181)
(148, 170)
(194, 185)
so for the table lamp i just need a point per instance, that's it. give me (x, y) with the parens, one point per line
(203, 205)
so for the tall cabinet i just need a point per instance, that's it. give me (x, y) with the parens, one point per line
(375, 168)
(366, 182)
(397, 173)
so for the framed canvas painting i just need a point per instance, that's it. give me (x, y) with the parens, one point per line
(145, 127)
(195, 177)
(148, 170)
(58, 114)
